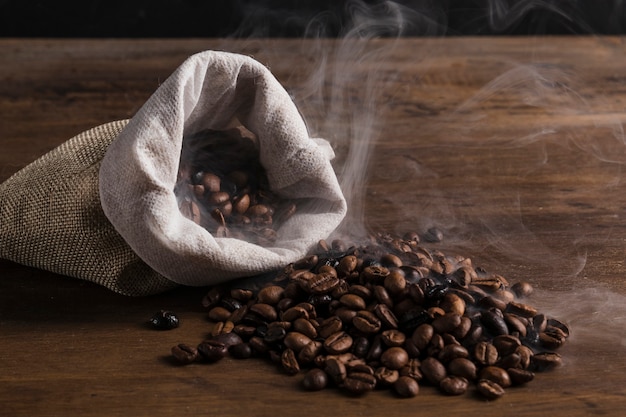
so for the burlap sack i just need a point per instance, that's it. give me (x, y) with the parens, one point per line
(101, 207)
(51, 218)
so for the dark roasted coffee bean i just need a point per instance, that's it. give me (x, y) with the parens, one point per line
(394, 358)
(212, 350)
(336, 370)
(219, 313)
(359, 383)
(366, 322)
(495, 374)
(339, 342)
(506, 344)
(493, 322)
(520, 376)
(433, 235)
(433, 370)
(385, 376)
(229, 339)
(386, 316)
(305, 327)
(309, 352)
(489, 389)
(446, 323)
(393, 338)
(164, 320)
(485, 353)
(240, 351)
(462, 367)
(410, 320)
(521, 309)
(184, 354)
(406, 387)
(413, 368)
(453, 385)
(270, 294)
(360, 346)
(522, 289)
(315, 380)
(451, 352)
(274, 334)
(329, 326)
(422, 336)
(545, 361)
(289, 362)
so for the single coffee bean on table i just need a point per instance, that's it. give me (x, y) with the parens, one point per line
(338, 319)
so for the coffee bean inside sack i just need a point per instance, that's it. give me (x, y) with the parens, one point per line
(223, 187)
(387, 314)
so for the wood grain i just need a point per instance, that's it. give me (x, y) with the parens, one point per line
(513, 146)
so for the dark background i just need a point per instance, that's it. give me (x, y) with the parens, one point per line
(326, 18)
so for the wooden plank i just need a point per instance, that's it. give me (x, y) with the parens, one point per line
(513, 146)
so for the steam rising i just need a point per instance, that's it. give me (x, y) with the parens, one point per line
(346, 99)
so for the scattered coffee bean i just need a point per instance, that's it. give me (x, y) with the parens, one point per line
(343, 317)
(406, 387)
(164, 320)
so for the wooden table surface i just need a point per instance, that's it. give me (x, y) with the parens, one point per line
(514, 147)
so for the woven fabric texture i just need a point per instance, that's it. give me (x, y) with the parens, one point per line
(139, 171)
(51, 218)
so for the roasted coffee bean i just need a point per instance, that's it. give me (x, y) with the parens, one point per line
(240, 351)
(339, 342)
(329, 326)
(520, 376)
(422, 336)
(545, 361)
(309, 352)
(433, 370)
(506, 344)
(336, 370)
(385, 376)
(296, 341)
(315, 380)
(433, 235)
(375, 326)
(521, 309)
(412, 369)
(494, 322)
(387, 317)
(289, 362)
(522, 289)
(394, 358)
(393, 338)
(462, 367)
(360, 346)
(406, 387)
(271, 294)
(212, 350)
(489, 389)
(495, 374)
(451, 352)
(394, 283)
(453, 385)
(353, 302)
(446, 323)
(164, 320)
(229, 339)
(184, 353)
(274, 334)
(219, 313)
(366, 322)
(485, 353)
(359, 382)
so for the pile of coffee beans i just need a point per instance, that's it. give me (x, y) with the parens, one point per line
(223, 187)
(387, 314)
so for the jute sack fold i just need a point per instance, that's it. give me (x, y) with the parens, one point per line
(101, 207)
(51, 218)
